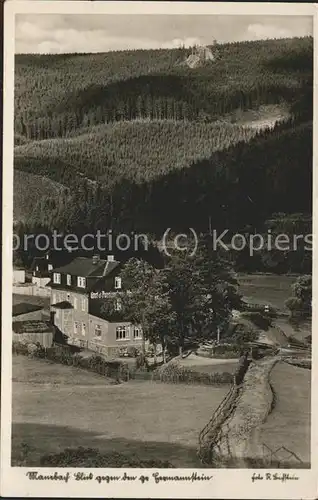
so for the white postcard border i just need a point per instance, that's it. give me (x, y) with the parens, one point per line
(226, 483)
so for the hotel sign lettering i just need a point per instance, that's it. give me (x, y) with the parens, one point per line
(99, 295)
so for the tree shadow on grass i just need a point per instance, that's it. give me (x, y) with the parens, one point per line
(30, 442)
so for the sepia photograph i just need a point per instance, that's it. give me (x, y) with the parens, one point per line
(160, 258)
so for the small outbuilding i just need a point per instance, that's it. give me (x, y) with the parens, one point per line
(34, 331)
(41, 270)
(25, 311)
(18, 276)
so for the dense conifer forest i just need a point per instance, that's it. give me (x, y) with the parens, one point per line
(139, 141)
(57, 94)
(134, 150)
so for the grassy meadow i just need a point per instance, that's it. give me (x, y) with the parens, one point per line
(288, 424)
(56, 407)
(271, 289)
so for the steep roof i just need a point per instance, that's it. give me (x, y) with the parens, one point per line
(83, 266)
(32, 326)
(24, 308)
(65, 304)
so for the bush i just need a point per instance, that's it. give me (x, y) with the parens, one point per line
(64, 355)
(132, 351)
(59, 354)
(123, 372)
(258, 319)
(209, 353)
(222, 351)
(243, 334)
(89, 457)
(20, 348)
(141, 362)
(300, 303)
(227, 348)
(294, 304)
(175, 373)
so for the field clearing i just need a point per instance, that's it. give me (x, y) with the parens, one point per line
(289, 423)
(265, 116)
(55, 408)
(266, 288)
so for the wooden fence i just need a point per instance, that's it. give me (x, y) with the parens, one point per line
(208, 436)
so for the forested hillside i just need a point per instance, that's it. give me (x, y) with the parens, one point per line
(136, 150)
(243, 184)
(143, 142)
(29, 189)
(56, 94)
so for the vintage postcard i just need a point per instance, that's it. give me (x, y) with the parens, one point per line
(159, 284)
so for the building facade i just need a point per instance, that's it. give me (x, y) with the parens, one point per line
(18, 276)
(79, 292)
(41, 270)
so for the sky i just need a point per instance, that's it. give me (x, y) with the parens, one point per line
(57, 33)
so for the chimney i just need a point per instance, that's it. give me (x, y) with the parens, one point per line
(110, 258)
(95, 259)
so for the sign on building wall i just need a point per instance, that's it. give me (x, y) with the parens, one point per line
(99, 295)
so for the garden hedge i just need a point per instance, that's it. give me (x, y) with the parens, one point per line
(117, 370)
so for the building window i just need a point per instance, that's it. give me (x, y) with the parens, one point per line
(118, 305)
(122, 332)
(56, 278)
(75, 302)
(81, 282)
(137, 332)
(83, 304)
(117, 283)
(68, 280)
(83, 329)
(98, 331)
(37, 268)
(75, 327)
(49, 267)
